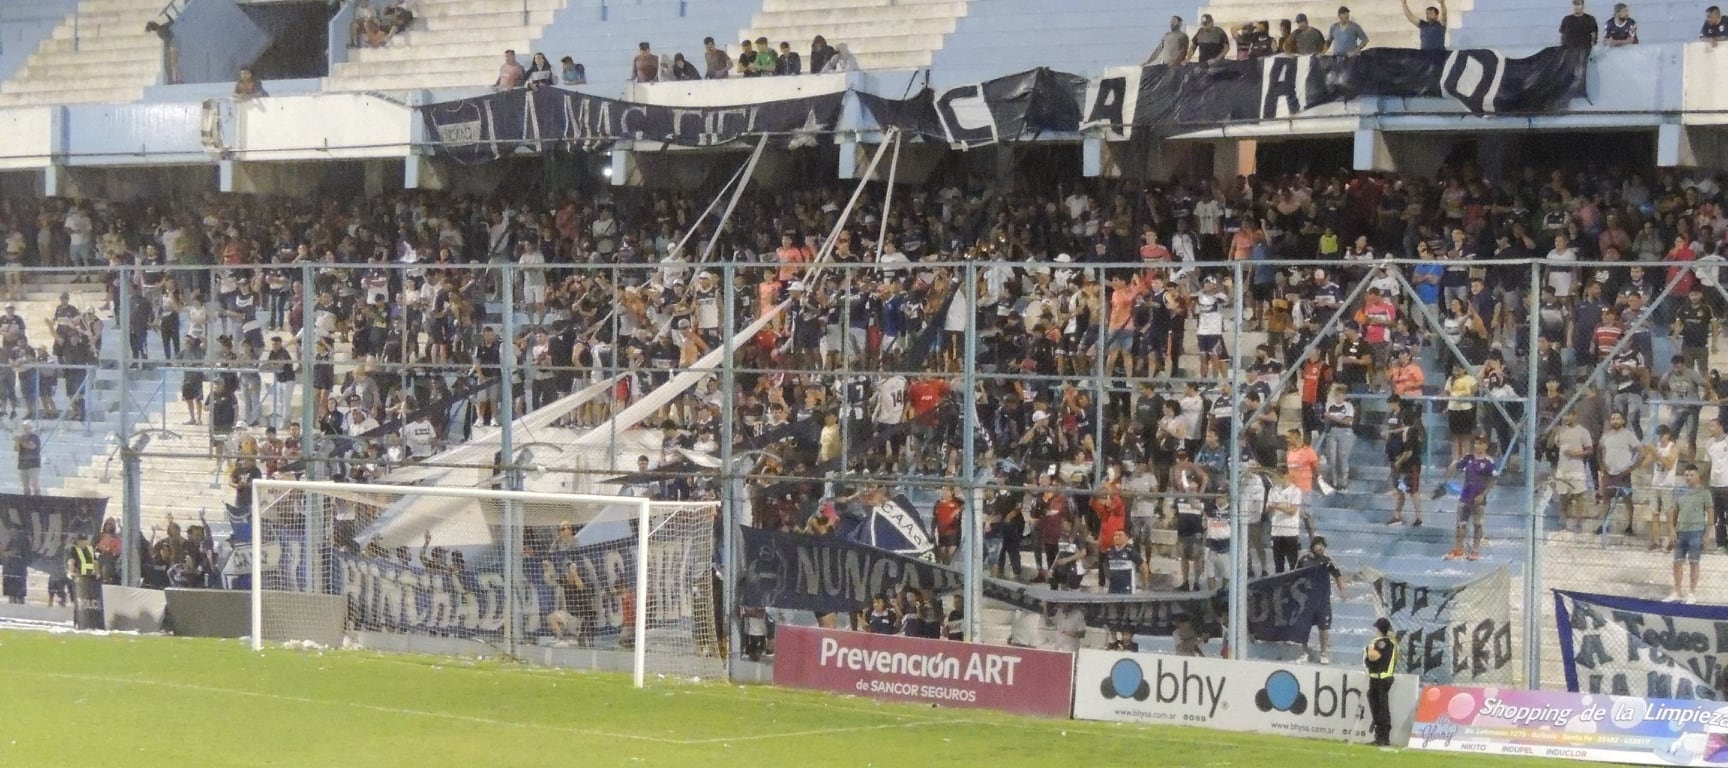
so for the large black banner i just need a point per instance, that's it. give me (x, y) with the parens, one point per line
(496, 125)
(1189, 97)
(41, 527)
(828, 574)
(1161, 99)
(1282, 608)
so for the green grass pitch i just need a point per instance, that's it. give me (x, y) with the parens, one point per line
(153, 701)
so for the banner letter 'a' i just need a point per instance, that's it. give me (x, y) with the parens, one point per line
(1283, 86)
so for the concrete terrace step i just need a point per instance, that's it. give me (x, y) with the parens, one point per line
(435, 55)
(46, 97)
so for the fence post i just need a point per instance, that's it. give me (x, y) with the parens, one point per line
(507, 458)
(1533, 529)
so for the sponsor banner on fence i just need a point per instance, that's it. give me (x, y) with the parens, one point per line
(1303, 700)
(1455, 633)
(1630, 647)
(1579, 726)
(40, 528)
(939, 672)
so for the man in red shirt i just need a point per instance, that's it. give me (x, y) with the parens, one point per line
(947, 514)
(924, 395)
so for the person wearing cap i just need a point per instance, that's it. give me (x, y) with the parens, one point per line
(1578, 29)
(28, 446)
(1431, 28)
(1306, 38)
(1347, 38)
(1210, 41)
(1380, 659)
(1316, 557)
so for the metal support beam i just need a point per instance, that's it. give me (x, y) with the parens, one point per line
(1293, 366)
(1625, 338)
(1236, 632)
(1433, 320)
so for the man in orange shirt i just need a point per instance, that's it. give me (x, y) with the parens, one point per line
(947, 514)
(1303, 465)
(1119, 338)
(1406, 376)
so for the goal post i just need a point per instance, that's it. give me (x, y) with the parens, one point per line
(580, 580)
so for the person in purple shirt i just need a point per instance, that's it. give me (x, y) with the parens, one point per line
(1479, 470)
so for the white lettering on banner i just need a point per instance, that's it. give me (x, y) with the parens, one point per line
(979, 667)
(1645, 654)
(1459, 633)
(1259, 697)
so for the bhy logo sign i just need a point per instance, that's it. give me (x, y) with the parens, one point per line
(1284, 692)
(1128, 680)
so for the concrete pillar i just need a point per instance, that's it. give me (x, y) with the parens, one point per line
(622, 168)
(1370, 152)
(375, 177)
(848, 168)
(424, 172)
(225, 176)
(1092, 158)
(1234, 157)
(54, 181)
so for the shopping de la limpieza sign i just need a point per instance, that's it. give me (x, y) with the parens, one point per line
(940, 672)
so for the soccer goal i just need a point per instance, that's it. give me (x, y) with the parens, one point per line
(597, 582)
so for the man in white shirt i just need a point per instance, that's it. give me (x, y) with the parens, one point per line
(1560, 276)
(1573, 445)
(532, 263)
(1717, 451)
(79, 230)
(1285, 505)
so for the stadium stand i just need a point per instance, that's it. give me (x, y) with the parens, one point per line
(97, 53)
(999, 36)
(452, 43)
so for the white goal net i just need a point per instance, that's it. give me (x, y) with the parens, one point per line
(598, 582)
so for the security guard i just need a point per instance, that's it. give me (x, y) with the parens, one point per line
(1381, 660)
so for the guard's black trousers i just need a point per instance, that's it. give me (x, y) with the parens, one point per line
(1380, 708)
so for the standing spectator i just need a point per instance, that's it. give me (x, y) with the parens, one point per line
(1431, 28)
(1620, 455)
(1666, 480)
(1338, 415)
(1406, 452)
(1691, 505)
(879, 619)
(767, 62)
(747, 59)
(820, 54)
(1573, 447)
(170, 51)
(1717, 452)
(28, 446)
(1121, 563)
(645, 67)
(1317, 557)
(79, 230)
(1210, 41)
(1621, 28)
(510, 73)
(1479, 471)
(1173, 48)
(1306, 39)
(717, 65)
(1578, 29)
(682, 69)
(1460, 408)
(572, 73)
(540, 72)
(789, 63)
(1715, 29)
(1284, 504)
(1347, 38)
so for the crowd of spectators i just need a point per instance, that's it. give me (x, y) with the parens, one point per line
(757, 58)
(1092, 421)
(1345, 37)
(376, 27)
